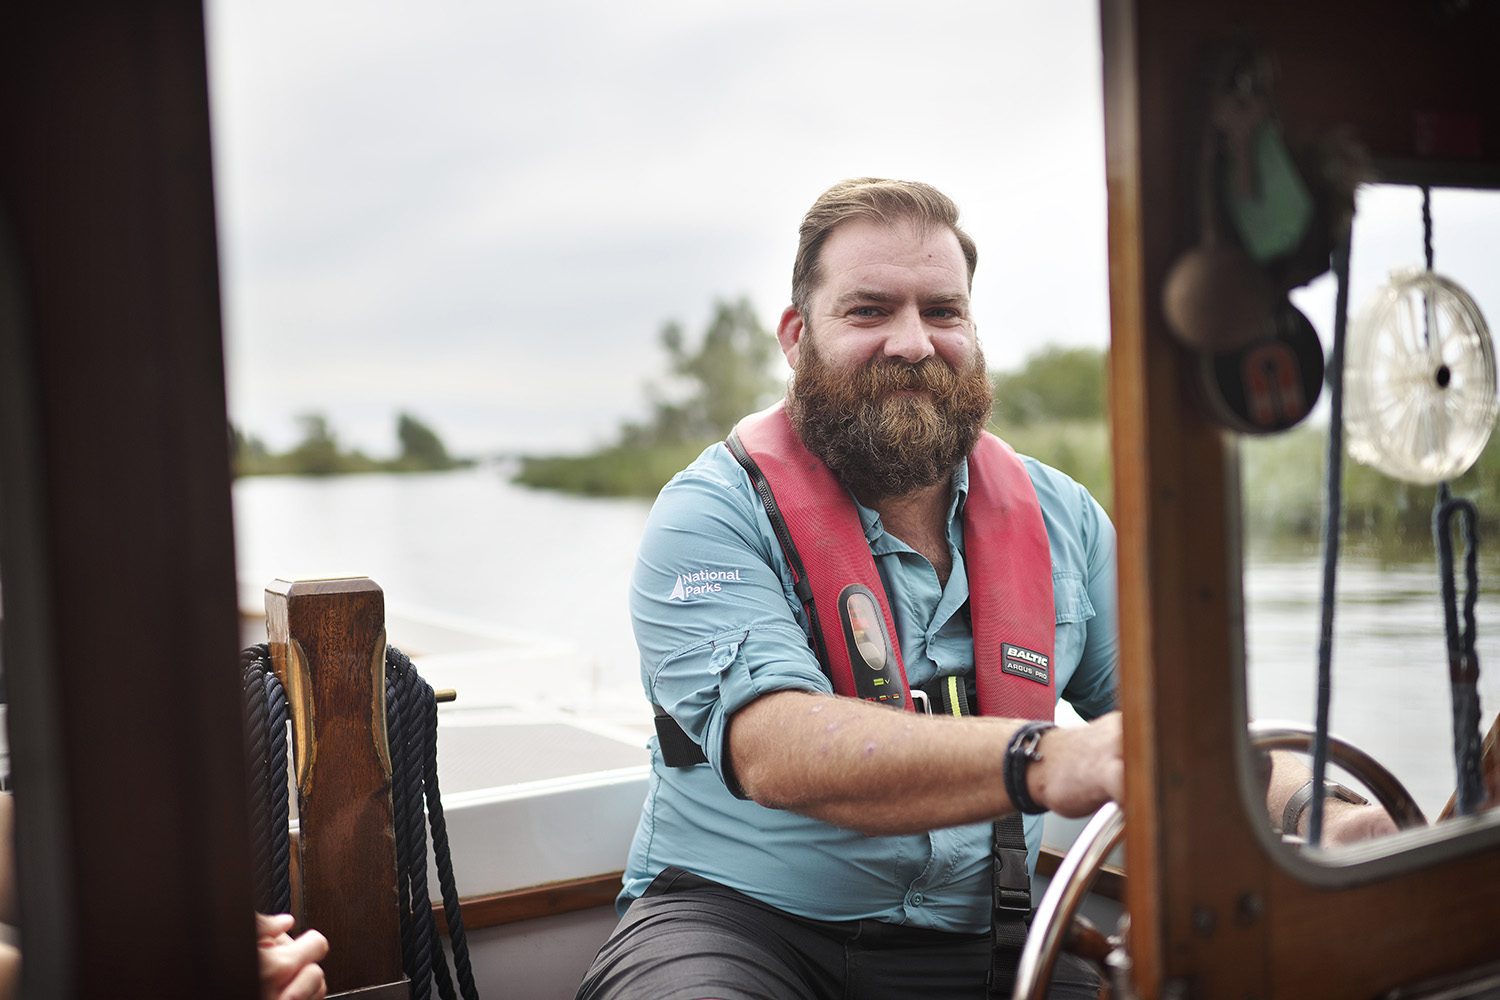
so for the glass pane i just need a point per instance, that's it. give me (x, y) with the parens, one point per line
(1390, 693)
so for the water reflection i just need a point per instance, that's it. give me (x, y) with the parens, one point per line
(1390, 667)
(470, 544)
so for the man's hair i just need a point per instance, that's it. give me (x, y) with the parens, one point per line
(876, 200)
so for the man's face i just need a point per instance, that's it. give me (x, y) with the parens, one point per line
(894, 291)
(891, 389)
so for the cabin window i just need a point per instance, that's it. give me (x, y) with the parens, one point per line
(1390, 693)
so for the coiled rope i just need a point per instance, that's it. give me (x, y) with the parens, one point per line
(411, 731)
(265, 726)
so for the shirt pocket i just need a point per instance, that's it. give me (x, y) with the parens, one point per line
(1070, 596)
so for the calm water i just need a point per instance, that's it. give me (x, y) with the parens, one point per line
(470, 544)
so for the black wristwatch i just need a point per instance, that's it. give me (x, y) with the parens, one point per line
(1023, 750)
(1291, 816)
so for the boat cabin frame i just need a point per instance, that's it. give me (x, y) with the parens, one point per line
(121, 632)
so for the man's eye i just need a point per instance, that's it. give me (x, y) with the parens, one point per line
(865, 312)
(943, 312)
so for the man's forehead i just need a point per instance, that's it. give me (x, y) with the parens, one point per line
(870, 255)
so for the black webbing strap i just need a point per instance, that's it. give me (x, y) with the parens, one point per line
(677, 747)
(948, 695)
(1010, 916)
(1010, 881)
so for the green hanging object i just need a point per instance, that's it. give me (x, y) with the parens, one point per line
(1266, 199)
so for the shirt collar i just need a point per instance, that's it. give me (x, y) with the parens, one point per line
(869, 521)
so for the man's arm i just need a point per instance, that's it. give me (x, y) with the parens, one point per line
(1343, 822)
(869, 768)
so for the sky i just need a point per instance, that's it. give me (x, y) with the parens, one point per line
(483, 213)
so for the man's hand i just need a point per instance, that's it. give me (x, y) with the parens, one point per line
(289, 967)
(1082, 767)
(1349, 823)
(1343, 822)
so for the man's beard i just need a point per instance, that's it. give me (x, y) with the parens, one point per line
(880, 444)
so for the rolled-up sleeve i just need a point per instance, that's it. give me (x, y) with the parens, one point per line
(715, 618)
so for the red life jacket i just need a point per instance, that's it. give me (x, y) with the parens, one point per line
(1005, 550)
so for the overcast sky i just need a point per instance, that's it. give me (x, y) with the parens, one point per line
(483, 213)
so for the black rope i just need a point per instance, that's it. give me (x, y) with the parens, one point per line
(1427, 225)
(417, 931)
(411, 735)
(1463, 661)
(443, 856)
(257, 735)
(1334, 505)
(412, 723)
(396, 741)
(279, 795)
(266, 776)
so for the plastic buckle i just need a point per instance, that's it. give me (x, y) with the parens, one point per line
(1011, 882)
(924, 703)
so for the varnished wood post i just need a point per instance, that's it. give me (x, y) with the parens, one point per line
(1218, 907)
(328, 645)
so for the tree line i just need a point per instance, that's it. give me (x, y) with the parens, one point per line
(319, 453)
(1054, 407)
(1054, 404)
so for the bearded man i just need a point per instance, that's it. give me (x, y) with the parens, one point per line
(855, 618)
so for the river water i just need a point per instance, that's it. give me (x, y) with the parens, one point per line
(471, 545)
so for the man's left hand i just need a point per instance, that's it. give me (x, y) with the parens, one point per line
(1349, 823)
(1082, 767)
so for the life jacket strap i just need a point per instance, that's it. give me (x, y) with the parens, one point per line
(677, 747)
(1010, 916)
(947, 695)
(800, 584)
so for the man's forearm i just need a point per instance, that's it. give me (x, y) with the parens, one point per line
(1345, 822)
(880, 771)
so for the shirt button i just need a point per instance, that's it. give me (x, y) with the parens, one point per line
(916, 899)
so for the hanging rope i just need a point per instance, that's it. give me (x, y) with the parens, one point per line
(411, 724)
(1332, 513)
(265, 727)
(411, 732)
(1463, 661)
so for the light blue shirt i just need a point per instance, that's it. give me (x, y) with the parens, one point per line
(718, 625)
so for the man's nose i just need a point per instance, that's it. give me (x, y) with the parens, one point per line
(908, 338)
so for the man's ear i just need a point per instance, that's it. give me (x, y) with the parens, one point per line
(789, 334)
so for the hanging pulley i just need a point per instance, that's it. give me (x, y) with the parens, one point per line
(1419, 380)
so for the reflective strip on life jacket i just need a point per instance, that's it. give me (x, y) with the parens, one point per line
(1006, 552)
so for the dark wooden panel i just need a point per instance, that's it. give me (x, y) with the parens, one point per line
(117, 536)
